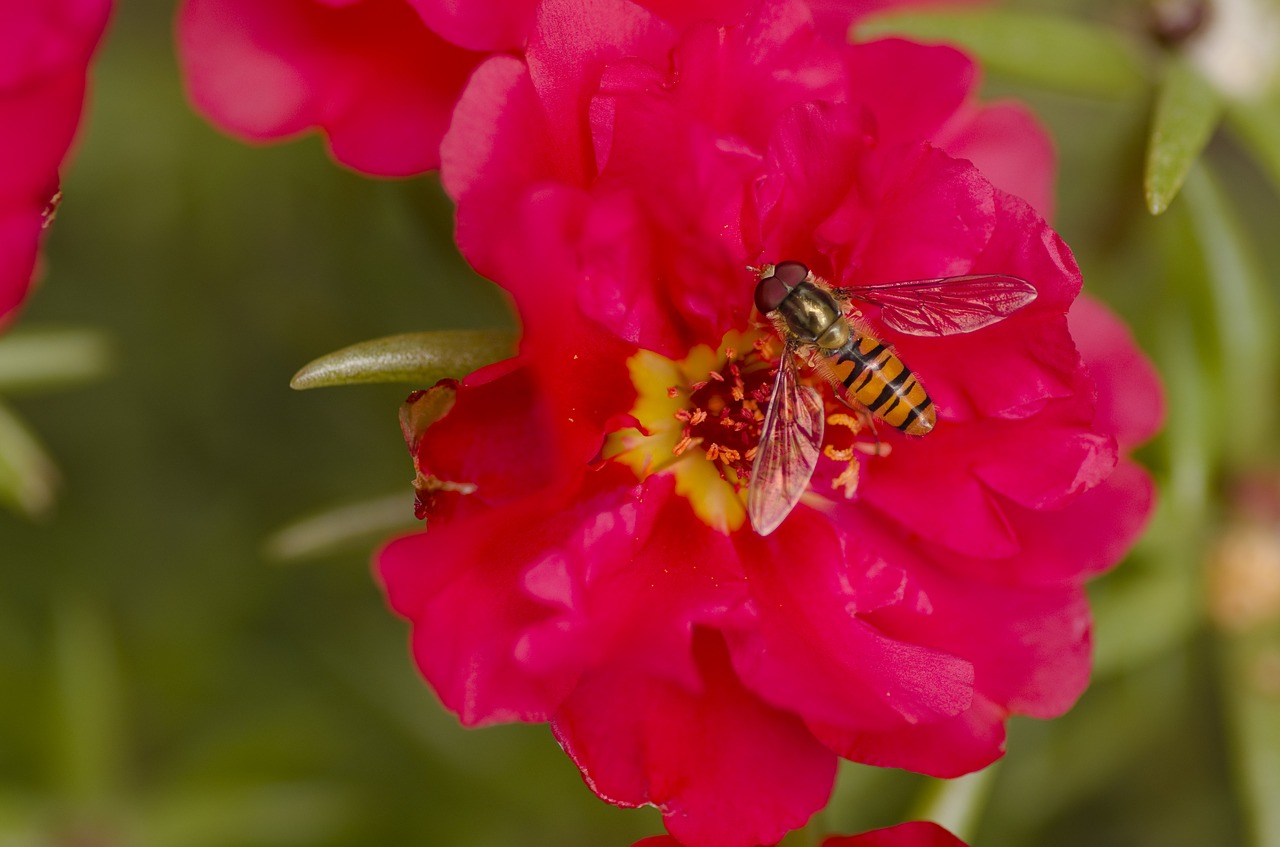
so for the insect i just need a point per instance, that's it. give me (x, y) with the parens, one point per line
(814, 318)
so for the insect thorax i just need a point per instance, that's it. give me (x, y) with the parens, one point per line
(814, 315)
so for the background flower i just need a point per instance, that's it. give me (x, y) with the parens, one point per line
(46, 50)
(914, 834)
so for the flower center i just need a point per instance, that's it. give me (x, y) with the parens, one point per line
(722, 412)
(712, 405)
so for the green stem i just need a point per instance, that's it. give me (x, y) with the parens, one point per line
(956, 804)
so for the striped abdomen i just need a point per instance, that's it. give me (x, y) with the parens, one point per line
(878, 379)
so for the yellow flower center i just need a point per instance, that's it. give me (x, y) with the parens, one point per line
(699, 419)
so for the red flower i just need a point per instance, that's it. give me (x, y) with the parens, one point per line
(914, 834)
(588, 561)
(368, 73)
(380, 78)
(44, 55)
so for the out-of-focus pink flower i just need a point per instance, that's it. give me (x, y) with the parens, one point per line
(369, 74)
(44, 57)
(588, 561)
(914, 834)
(379, 78)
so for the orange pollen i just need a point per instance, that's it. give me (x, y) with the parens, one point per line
(848, 480)
(723, 413)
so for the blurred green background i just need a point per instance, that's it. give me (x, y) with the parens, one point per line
(165, 682)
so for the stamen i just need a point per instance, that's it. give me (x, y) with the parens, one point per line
(838, 454)
(848, 480)
(851, 422)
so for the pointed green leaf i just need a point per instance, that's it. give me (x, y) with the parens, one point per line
(355, 525)
(1187, 111)
(28, 477)
(36, 359)
(415, 358)
(1051, 51)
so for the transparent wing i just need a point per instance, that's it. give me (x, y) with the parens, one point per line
(946, 306)
(788, 451)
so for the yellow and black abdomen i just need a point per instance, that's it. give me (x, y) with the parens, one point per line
(879, 380)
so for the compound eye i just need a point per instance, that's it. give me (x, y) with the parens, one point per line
(791, 273)
(770, 292)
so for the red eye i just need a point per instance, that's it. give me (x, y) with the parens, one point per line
(791, 273)
(770, 292)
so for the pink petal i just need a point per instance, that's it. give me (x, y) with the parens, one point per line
(912, 89)
(608, 580)
(473, 591)
(485, 25)
(45, 39)
(44, 53)
(1089, 534)
(875, 213)
(810, 649)
(913, 834)
(502, 436)
(1011, 148)
(1013, 368)
(19, 240)
(725, 769)
(369, 74)
(949, 748)
(1130, 403)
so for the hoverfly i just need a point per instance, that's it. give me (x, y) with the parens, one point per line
(812, 317)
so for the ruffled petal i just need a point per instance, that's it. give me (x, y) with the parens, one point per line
(370, 75)
(725, 769)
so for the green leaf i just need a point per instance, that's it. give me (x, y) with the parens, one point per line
(1051, 51)
(36, 359)
(28, 477)
(1257, 124)
(1250, 673)
(354, 525)
(1244, 317)
(89, 704)
(1187, 111)
(264, 813)
(415, 358)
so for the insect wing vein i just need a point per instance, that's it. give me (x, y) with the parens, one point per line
(789, 444)
(948, 305)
